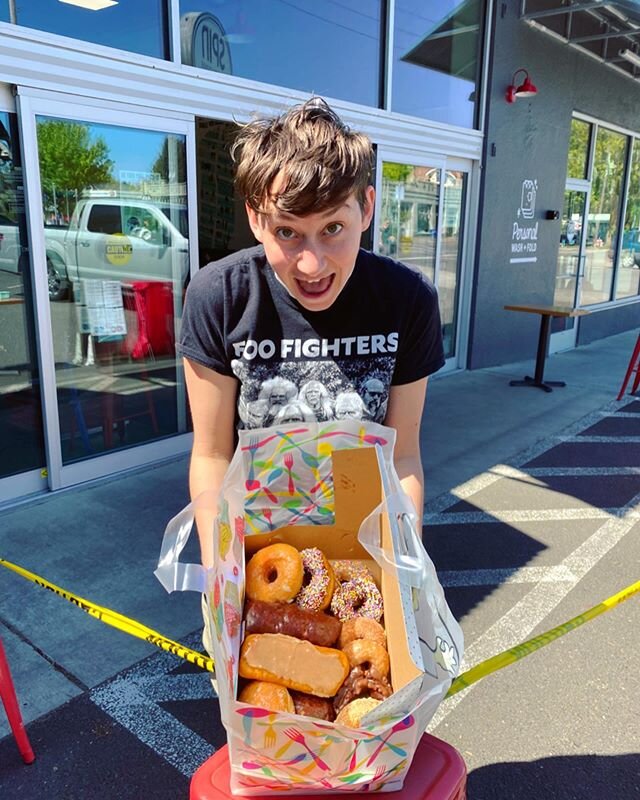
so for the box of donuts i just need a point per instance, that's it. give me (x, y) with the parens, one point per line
(332, 640)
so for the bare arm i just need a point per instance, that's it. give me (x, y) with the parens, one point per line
(404, 413)
(212, 399)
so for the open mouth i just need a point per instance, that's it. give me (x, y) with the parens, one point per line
(315, 289)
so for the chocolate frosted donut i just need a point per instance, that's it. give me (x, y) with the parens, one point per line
(314, 626)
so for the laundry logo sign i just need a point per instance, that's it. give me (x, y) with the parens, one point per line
(524, 237)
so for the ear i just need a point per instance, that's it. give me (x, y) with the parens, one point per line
(369, 205)
(254, 222)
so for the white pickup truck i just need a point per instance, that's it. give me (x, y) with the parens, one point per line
(108, 238)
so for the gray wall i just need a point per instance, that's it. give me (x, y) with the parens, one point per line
(531, 139)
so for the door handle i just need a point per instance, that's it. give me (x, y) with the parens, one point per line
(85, 244)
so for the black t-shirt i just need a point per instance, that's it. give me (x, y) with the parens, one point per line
(296, 365)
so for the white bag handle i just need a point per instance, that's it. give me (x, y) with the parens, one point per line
(172, 574)
(409, 561)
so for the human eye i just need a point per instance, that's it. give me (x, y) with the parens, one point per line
(286, 234)
(334, 228)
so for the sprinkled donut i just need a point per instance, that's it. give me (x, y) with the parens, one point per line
(318, 581)
(346, 570)
(357, 598)
(274, 574)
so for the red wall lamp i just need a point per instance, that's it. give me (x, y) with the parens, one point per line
(525, 89)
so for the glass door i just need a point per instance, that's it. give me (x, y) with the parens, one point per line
(22, 450)
(575, 235)
(420, 221)
(109, 222)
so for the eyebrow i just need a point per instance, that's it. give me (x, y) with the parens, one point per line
(284, 216)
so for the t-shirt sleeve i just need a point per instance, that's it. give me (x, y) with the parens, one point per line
(202, 328)
(420, 349)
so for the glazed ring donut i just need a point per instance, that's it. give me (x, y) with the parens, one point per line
(357, 598)
(352, 714)
(361, 652)
(318, 581)
(274, 574)
(362, 628)
(346, 570)
(267, 695)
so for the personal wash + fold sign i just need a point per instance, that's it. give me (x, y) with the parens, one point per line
(524, 234)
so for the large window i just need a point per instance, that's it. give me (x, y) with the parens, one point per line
(328, 48)
(421, 225)
(139, 26)
(436, 47)
(114, 208)
(604, 212)
(21, 434)
(609, 246)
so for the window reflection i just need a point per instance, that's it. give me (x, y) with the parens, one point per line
(114, 206)
(409, 224)
(578, 149)
(435, 59)
(21, 433)
(628, 280)
(328, 48)
(604, 211)
(139, 27)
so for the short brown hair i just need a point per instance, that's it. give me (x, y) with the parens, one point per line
(320, 159)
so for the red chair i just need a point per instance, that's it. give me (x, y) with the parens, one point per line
(438, 772)
(10, 703)
(634, 366)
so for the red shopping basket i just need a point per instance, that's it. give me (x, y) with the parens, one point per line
(438, 772)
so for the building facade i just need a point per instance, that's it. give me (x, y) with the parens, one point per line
(116, 186)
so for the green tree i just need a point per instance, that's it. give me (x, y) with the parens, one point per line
(396, 172)
(174, 169)
(71, 159)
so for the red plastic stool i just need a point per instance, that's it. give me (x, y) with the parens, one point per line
(438, 772)
(10, 702)
(634, 365)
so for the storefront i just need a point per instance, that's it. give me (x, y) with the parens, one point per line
(116, 185)
(560, 201)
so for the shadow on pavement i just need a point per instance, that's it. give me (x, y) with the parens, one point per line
(588, 777)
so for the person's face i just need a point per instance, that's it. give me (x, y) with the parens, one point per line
(313, 256)
(278, 397)
(313, 396)
(373, 395)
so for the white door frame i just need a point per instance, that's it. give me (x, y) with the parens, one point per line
(567, 339)
(442, 162)
(32, 102)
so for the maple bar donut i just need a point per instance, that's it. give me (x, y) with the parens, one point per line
(358, 597)
(362, 628)
(267, 695)
(362, 652)
(352, 714)
(314, 626)
(274, 574)
(293, 663)
(318, 582)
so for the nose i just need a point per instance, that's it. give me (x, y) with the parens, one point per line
(311, 260)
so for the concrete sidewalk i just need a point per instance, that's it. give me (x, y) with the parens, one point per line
(101, 541)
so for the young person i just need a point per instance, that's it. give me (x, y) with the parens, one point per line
(306, 304)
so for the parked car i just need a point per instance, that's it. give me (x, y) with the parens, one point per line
(108, 238)
(630, 249)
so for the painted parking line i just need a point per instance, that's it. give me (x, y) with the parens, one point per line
(530, 611)
(133, 699)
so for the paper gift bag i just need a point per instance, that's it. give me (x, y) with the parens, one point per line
(331, 486)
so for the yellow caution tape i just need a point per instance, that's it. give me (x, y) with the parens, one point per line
(118, 621)
(463, 681)
(513, 654)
